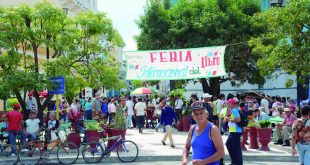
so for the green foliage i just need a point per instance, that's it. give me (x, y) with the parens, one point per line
(252, 124)
(286, 43)
(120, 122)
(92, 125)
(82, 49)
(176, 92)
(264, 123)
(200, 23)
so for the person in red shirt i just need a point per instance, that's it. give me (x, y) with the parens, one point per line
(15, 120)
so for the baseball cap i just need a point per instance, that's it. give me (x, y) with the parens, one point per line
(206, 95)
(16, 106)
(197, 105)
(232, 101)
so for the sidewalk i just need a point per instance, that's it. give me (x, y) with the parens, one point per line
(151, 149)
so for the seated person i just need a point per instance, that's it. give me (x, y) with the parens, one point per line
(32, 126)
(52, 125)
(3, 130)
(259, 115)
(286, 127)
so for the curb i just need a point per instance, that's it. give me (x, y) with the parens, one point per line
(170, 158)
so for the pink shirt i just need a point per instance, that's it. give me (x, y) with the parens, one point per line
(289, 120)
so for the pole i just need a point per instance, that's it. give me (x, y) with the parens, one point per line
(57, 107)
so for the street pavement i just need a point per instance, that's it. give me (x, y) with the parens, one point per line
(152, 150)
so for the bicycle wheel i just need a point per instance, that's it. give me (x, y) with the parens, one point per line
(29, 154)
(127, 151)
(67, 153)
(6, 150)
(93, 152)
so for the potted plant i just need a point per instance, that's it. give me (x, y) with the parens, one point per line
(264, 134)
(118, 127)
(253, 135)
(91, 130)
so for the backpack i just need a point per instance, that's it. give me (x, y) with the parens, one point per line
(243, 120)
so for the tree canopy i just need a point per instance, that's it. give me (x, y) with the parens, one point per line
(43, 42)
(202, 23)
(286, 43)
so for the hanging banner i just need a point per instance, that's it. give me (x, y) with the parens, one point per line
(176, 64)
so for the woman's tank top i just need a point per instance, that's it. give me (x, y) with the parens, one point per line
(202, 145)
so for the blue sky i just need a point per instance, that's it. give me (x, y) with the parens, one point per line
(123, 13)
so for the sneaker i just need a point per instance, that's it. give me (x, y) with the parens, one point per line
(13, 155)
(24, 150)
(172, 146)
(163, 143)
(286, 143)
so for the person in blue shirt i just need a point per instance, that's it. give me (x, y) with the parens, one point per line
(88, 110)
(204, 138)
(259, 115)
(235, 131)
(104, 106)
(166, 119)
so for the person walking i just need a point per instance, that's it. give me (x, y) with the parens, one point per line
(204, 138)
(140, 109)
(166, 119)
(235, 132)
(178, 106)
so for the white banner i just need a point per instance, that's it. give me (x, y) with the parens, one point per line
(176, 64)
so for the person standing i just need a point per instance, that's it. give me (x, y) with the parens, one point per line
(208, 105)
(130, 113)
(31, 105)
(204, 138)
(88, 110)
(178, 106)
(96, 105)
(15, 120)
(166, 119)
(140, 109)
(265, 103)
(235, 132)
(220, 103)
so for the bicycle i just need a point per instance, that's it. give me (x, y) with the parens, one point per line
(33, 152)
(127, 151)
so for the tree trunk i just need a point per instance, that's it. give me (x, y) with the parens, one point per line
(211, 86)
(21, 101)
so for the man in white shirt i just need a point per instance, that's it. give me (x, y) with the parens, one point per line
(140, 108)
(265, 103)
(178, 106)
(155, 101)
(32, 126)
(130, 113)
(31, 105)
(220, 103)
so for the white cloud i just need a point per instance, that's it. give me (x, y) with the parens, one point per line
(123, 13)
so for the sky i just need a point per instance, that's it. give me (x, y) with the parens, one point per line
(123, 14)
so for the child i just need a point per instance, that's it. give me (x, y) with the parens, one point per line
(3, 129)
(32, 126)
(52, 125)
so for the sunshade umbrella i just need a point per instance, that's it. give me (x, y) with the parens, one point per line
(142, 91)
(155, 91)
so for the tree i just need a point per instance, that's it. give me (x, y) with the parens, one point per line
(201, 23)
(286, 43)
(81, 50)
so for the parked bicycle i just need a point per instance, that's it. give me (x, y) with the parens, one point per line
(127, 151)
(33, 152)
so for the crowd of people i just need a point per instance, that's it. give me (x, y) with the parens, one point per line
(211, 117)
